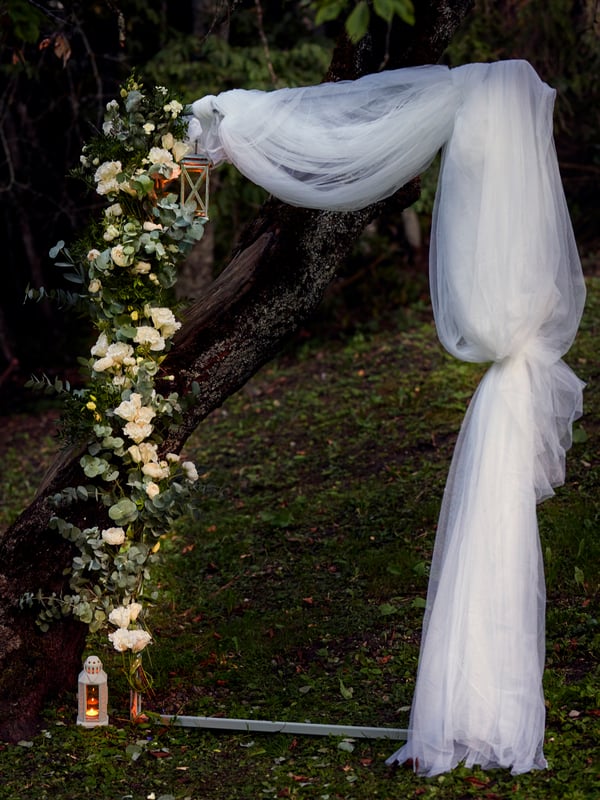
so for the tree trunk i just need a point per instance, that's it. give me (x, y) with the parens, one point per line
(276, 279)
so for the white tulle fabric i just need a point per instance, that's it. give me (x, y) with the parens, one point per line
(507, 288)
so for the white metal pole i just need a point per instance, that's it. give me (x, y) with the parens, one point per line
(301, 728)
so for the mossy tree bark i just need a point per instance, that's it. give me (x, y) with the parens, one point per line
(274, 281)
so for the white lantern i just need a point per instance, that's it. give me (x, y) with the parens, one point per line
(92, 694)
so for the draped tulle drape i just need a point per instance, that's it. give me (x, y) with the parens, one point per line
(507, 288)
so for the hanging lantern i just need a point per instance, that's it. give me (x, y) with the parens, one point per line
(192, 183)
(92, 694)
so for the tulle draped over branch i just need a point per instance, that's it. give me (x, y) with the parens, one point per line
(507, 288)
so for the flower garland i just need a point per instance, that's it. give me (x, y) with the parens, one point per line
(126, 267)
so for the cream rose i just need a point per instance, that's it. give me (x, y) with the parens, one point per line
(114, 536)
(138, 431)
(106, 177)
(119, 256)
(164, 320)
(150, 336)
(120, 616)
(180, 149)
(120, 639)
(156, 471)
(138, 639)
(152, 489)
(113, 211)
(135, 610)
(112, 232)
(190, 471)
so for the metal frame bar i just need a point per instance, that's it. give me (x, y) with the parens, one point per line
(297, 728)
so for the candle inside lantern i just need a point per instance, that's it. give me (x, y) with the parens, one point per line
(92, 695)
(92, 703)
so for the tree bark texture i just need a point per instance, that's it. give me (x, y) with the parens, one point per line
(274, 281)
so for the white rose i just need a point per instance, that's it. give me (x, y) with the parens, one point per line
(120, 617)
(112, 232)
(164, 320)
(119, 256)
(101, 346)
(167, 141)
(129, 408)
(156, 471)
(120, 351)
(103, 364)
(145, 414)
(190, 471)
(138, 639)
(114, 355)
(113, 211)
(180, 149)
(93, 254)
(108, 170)
(134, 452)
(94, 286)
(150, 336)
(106, 175)
(142, 267)
(148, 127)
(172, 457)
(148, 452)
(114, 535)
(134, 611)
(120, 639)
(173, 108)
(138, 431)
(152, 226)
(158, 155)
(152, 489)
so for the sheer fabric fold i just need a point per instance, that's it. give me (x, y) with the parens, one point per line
(507, 288)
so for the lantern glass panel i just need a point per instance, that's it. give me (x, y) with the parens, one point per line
(92, 701)
(194, 180)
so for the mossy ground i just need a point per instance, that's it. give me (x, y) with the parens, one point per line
(297, 592)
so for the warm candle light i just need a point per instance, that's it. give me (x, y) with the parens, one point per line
(92, 701)
(93, 694)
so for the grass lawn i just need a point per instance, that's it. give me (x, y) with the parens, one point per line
(297, 590)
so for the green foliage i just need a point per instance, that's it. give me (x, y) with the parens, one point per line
(358, 18)
(24, 18)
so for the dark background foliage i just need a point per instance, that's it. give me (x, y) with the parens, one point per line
(61, 62)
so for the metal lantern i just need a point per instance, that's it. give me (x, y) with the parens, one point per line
(192, 183)
(92, 694)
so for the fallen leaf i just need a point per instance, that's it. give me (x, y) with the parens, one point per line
(477, 781)
(62, 48)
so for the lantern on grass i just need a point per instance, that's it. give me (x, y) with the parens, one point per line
(193, 182)
(92, 694)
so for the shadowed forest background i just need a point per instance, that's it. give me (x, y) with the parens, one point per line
(61, 63)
